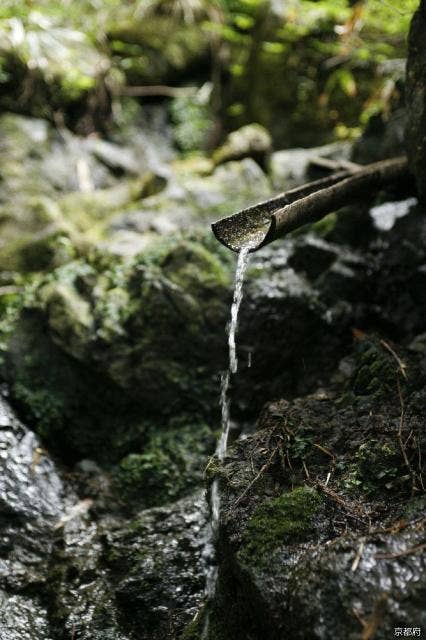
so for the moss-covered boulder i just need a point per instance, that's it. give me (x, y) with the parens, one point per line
(286, 519)
(318, 517)
(195, 196)
(105, 346)
(57, 186)
(170, 465)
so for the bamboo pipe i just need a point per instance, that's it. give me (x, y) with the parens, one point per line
(265, 222)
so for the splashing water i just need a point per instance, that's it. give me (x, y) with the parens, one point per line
(242, 263)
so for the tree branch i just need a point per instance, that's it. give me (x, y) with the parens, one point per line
(157, 90)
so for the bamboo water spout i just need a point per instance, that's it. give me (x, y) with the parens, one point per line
(265, 222)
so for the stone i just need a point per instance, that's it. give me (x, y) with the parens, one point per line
(77, 565)
(307, 533)
(157, 569)
(290, 167)
(252, 141)
(23, 618)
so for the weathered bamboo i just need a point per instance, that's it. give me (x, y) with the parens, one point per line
(265, 222)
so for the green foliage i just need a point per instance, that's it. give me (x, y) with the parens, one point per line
(301, 443)
(193, 121)
(329, 54)
(58, 53)
(316, 61)
(284, 520)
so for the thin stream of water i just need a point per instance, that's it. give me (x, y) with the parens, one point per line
(222, 444)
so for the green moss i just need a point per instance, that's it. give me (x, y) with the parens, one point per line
(170, 465)
(415, 507)
(96, 347)
(84, 210)
(285, 519)
(194, 630)
(76, 409)
(376, 371)
(189, 262)
(213, 469)
(378, 467)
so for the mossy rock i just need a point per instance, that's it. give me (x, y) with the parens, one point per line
(85, 210)
(156, 569)
(283, 520)
(76, 410)
(157, 49)
(170, 466)
(253, 141)
(141, 335)
(377, 371)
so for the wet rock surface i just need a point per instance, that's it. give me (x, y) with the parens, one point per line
(158, 567)
(73, 567)
(313, 290)
(31, 503)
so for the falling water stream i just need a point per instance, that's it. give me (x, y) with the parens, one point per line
(222, 444)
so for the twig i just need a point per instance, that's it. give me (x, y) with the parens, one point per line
(261, 472)
(402, 366)
(399, 554)
(357, 558)
(397, 526)
(334, 496)
(326, 451)
(305, 469)
(401, 444)
(157, 90)
(374, 620)
(334, 165)
(9, 289)
(420, 466)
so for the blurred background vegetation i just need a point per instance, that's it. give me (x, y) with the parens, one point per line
(309, 71)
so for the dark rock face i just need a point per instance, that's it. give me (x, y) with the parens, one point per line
(319, 531)
(158, 569)
(31, 503)
(312, 291)
(416, 98)
(69, 571)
